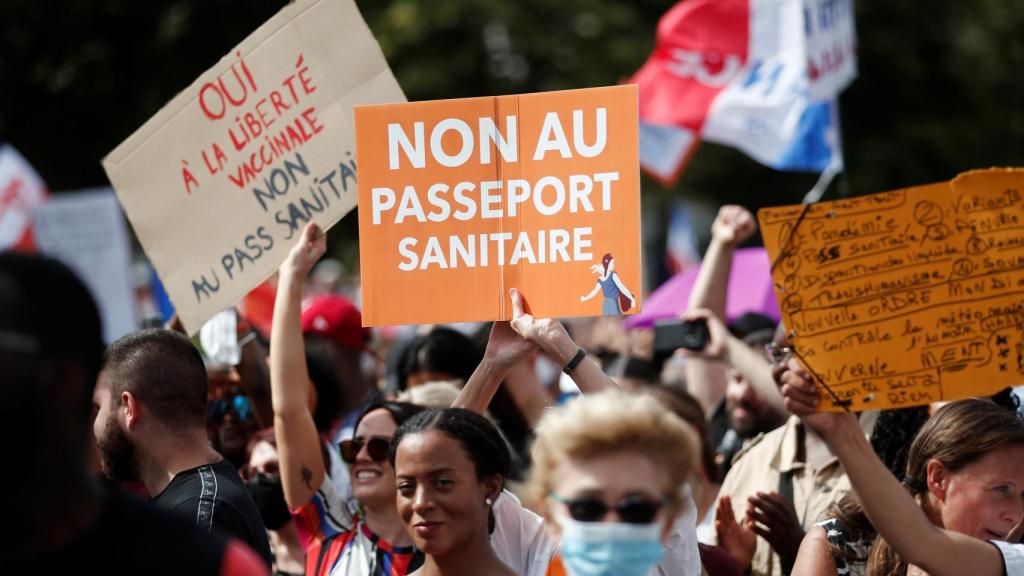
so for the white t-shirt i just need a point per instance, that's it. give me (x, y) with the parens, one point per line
(1013, 557)
(681, 553)
(522, 542)
(706, 527)
(520, 539)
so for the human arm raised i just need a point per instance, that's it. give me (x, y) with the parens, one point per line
(298, 444)
(706, 379)
(510, 342)
(504, 350)
(891, 509)
(733, 225)
(734, 352)
(815, 555)
(551, 337)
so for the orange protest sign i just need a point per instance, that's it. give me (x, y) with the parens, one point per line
(905, 297)
(461, 200)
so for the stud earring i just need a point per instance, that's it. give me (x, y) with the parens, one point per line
(488, 502)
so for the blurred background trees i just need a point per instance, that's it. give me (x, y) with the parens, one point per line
(939, 88)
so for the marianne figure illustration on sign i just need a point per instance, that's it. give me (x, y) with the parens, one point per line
(617, 298)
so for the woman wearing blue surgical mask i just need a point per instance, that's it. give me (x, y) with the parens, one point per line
(609, 471)
(641, 455)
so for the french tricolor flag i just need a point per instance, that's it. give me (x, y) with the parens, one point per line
(758, 75)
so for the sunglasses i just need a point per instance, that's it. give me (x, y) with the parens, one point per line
(376, 447)
(634, 509)
(239, 404)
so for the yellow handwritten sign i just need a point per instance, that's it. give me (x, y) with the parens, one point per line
(905, 297)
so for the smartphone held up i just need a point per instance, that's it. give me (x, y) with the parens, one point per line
(670, 335)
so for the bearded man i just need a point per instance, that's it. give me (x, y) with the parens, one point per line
(151, 427)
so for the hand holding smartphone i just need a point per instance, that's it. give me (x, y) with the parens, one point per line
(670, 335)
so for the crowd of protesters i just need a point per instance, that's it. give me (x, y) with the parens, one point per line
(327, 451)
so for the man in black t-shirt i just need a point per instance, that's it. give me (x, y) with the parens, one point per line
(62, 519)
(215, 496)
(151, 426)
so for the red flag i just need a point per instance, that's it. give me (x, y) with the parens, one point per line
(701, 46)
(21, 190)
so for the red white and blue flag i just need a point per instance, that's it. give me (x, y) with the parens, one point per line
(21, 191)
(758, 75)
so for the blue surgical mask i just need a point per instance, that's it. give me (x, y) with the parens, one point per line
(607, 549)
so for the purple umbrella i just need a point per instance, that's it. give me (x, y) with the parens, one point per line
(750, 290)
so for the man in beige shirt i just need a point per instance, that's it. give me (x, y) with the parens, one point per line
(778, 487)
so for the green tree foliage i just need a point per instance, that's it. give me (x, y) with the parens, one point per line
(939, 89)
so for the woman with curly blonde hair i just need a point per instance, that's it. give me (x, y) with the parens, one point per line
(608, 474)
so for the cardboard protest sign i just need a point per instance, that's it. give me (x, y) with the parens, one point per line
(461, 200)
(905, 297)
(219, 183)
(86, 231)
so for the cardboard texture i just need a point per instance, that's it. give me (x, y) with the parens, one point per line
(219, 183)
(906, 297)
(461, 200)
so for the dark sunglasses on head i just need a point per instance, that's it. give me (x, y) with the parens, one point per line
(634, 509)
(376, 447)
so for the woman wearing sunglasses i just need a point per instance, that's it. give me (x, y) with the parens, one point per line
(359, 538)
(608, 471)
(372, 539)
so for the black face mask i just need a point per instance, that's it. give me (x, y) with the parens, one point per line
(268, 493)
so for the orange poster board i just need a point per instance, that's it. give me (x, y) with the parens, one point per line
(461, 200)
(906, 297)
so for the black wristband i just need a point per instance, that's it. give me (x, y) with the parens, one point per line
(580, 355)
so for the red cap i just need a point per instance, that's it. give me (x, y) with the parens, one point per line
(336, 318)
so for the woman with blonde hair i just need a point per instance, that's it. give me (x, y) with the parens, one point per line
(617, 463)
(608, 474)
